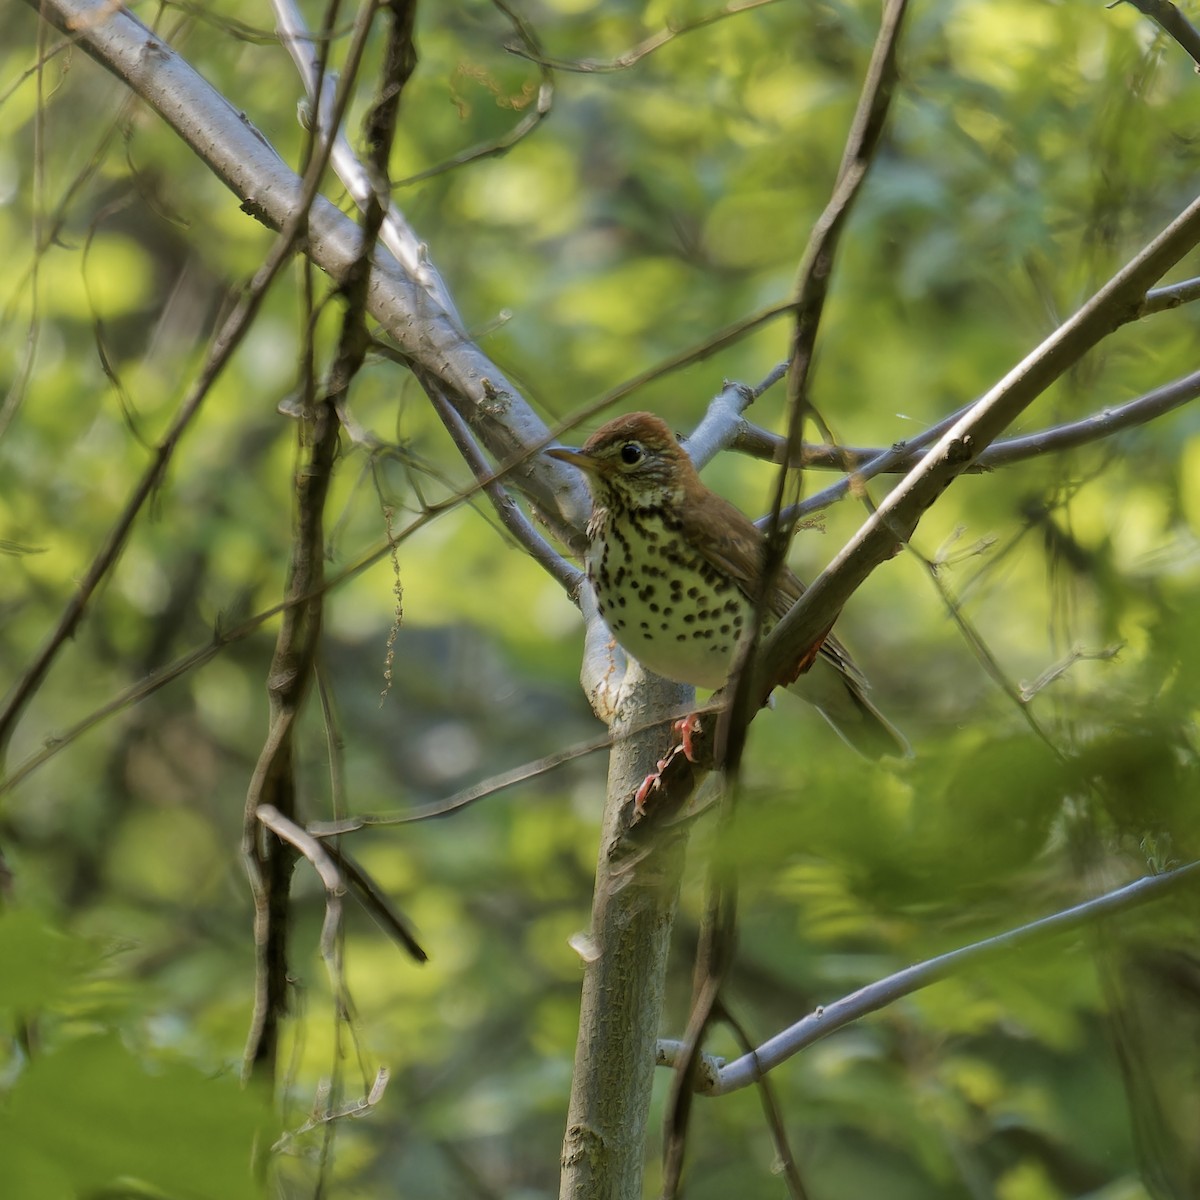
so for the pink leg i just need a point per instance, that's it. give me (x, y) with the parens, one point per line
(651, 782)
(687, 728)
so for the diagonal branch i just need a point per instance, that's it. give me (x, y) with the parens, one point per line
(898, 515)
(866, 461)
(719, 932)
(720, 1079)
(961, 442)
(1164, 14)
(242, 158)
(225, 342)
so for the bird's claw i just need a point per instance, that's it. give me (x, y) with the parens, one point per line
(649, 784)
(686, 728)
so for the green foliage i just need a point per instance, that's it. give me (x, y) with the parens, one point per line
(86, 1115)
(89, 1115)
(43, 962)
(1032, 149)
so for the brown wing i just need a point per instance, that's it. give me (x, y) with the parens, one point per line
(734, 544)
(724, 535)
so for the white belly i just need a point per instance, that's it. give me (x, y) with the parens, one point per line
(679, 618)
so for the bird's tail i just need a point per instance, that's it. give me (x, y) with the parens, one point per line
(840, 699)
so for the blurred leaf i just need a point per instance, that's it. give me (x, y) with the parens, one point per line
(41, 963)
(1032, 148)
(89, 1114)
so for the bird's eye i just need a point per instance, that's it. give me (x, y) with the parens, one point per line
(632, 454)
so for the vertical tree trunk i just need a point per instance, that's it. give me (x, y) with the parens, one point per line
(632, 913)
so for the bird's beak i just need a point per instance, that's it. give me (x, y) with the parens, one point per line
(585, 462)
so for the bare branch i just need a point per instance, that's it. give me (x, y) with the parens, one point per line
(714, 960)
(356, 1108)
(376, 902)
(312, 849)
(723, 421)
(1172, 295)
(721, 1078)
(397, 234)
(511, 517)
(501, 781)
(1173, 22)
(273, 782)
(867, 462)
(224, 343)
(898, 515)
(1053, 673)
(983, 653)
(784, 1156)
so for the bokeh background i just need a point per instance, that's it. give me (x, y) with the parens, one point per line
(1032, 149)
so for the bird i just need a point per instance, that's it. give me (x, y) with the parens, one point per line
(674, 567)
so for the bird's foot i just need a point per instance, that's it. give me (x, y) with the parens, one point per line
(649, 784)
(686, 728)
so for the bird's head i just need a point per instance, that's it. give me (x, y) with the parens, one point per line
(634, 461)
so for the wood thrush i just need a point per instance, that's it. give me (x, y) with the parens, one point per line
(674, 567)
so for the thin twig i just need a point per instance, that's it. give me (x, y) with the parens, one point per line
(785, 1158)
(722, 1078)
(714, 960)
(490, 786)
(376, 901)
(511, 517)
(273, 784)
(536, 115)
(723, 419)
(355, 1108)
(863, 460)
(1171, 296)
(656, 41)
(1055, 672)
(322, 862)
(983, 654)
(225, 342)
